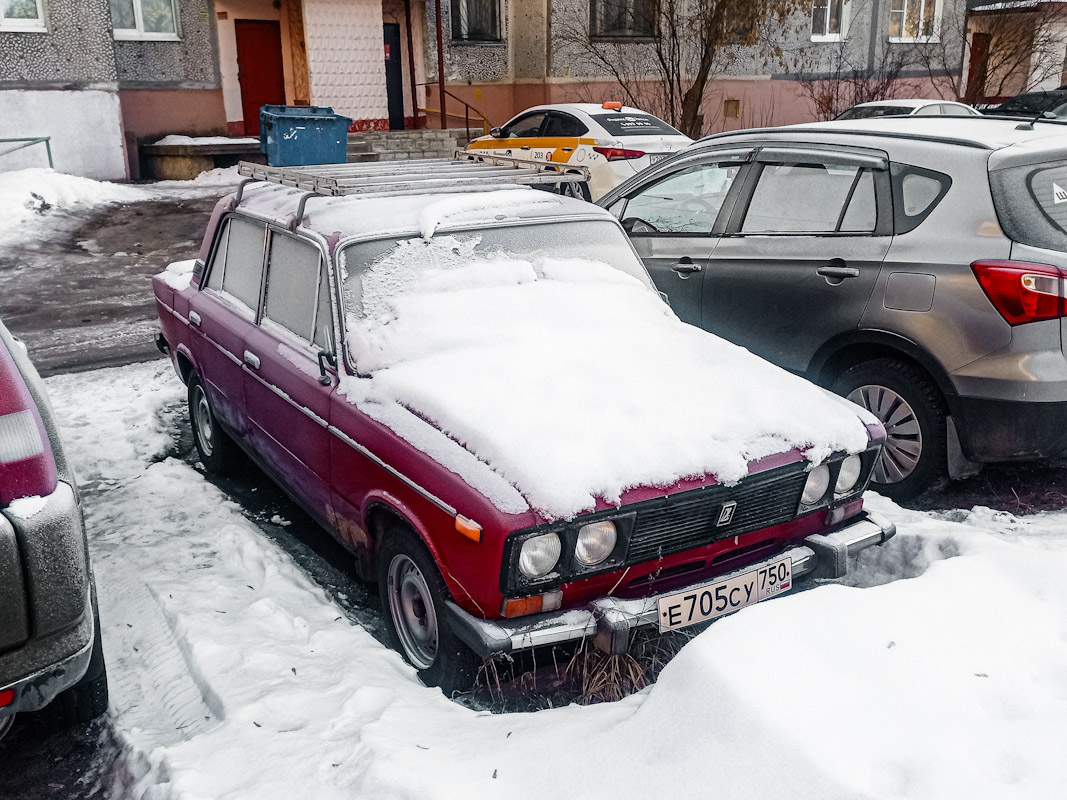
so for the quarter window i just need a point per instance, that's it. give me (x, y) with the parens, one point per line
(22, 15)
(686, 202)
(476, 21)
(913, 19)
(144, 19)
(237, 268)
(622, 19)
(293, 284)
(826, 18)
(812, 198)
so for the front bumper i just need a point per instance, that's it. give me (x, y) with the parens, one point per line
(609, 621)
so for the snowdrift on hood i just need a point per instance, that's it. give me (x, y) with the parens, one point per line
(570, 378)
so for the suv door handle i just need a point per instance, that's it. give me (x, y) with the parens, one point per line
(685, 266)
(251, 359)
(839, 272)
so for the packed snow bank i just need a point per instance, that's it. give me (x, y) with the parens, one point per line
(233, 676)
(174, 138)
(569, 377)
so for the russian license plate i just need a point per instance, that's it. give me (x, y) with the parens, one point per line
(702, 603)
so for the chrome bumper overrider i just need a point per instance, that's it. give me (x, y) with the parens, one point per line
(609, 620)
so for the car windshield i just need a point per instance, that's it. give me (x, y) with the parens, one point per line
(622, 124)
(376, 271)
(867, 112)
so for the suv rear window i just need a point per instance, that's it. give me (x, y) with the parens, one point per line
(618, 124)
(1031, 203)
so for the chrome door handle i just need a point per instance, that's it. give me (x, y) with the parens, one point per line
(194, 318)
(525, 147)
(567, 149)
(838, 272)
(685, 266)
(251, 359)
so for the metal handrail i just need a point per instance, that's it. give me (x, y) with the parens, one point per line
(29, 142)
(467, 109)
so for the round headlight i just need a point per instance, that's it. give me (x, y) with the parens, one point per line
(817, 484)
(847, 478)
(595, 542)
(539, 554)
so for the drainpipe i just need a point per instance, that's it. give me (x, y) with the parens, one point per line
(411, 64)
(440, 64)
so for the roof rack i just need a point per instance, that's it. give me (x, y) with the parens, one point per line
(464, 172)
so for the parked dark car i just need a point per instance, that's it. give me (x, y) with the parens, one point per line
(51, 659)
(913, 265)
(1033, 105)
(383, 357)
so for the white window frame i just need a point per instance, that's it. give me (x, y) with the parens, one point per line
(139, 34)
(24, 25)
(935, 36)
(846, 7)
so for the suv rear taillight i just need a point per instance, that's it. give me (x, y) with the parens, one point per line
(619, 153)
(1021, 291)
(27, 466)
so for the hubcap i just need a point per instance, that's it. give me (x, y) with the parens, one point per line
(205, 430)
(412, 609)
(904, 439)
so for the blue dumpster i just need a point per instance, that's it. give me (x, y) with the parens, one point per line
(295, 135)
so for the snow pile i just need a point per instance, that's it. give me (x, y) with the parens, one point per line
(233, 676)
(28, 193)
(472, 208)
(174, 138)
(570, 379)
(178, 275)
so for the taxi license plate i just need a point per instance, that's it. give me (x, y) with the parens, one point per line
(702, 603)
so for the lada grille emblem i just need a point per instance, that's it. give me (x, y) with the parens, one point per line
(726, 514)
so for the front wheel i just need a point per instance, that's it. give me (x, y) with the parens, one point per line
(413, 594)
(912, 410)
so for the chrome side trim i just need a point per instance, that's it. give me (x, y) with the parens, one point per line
(437, 501)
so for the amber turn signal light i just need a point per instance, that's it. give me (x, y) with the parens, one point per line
(521, 606)
(469, 528)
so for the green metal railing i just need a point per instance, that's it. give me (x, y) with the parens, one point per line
(29, 142)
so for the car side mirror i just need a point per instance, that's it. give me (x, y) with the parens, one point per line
(496, 133)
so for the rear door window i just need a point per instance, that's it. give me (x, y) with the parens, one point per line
(563, 125)
(293, 284)
(619, 124)
(812, 198)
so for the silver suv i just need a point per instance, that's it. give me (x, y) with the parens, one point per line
(915, 266)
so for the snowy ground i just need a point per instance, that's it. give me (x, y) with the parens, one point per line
(938, 671)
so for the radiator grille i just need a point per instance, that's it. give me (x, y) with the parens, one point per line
(680, 522)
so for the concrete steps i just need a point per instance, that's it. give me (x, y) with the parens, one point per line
(367, 146)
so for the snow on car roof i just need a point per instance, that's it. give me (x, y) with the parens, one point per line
(355, 215)
(569, 378)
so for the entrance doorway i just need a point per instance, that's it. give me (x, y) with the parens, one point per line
(394, 76)
(259, 68)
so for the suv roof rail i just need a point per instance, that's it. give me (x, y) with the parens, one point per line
(464, 172)
(886, 134)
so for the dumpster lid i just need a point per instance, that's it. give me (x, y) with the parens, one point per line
(464, 172)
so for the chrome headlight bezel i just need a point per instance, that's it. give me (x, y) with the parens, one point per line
(515, 582)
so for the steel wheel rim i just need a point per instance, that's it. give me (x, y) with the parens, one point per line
(412, 608)
(205, 428)
(904, 438)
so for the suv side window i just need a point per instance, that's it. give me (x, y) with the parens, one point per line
(237, 267)
(687, 201)
(812, 198)
(293, 269)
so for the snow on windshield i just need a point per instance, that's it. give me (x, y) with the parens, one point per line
(568, 378)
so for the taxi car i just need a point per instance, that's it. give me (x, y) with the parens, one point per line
(474, 393)
(614, 141)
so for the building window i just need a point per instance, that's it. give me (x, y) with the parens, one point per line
(913, 19)
(622, 19)
(22, 15)
(144, 19)
(827, 17)
(476, 21)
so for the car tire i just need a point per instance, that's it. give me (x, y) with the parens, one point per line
(578, 190)
(413, 595)
(84, 701)
(913, 412)
(218, 452)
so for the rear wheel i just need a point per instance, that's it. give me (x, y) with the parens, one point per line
(912, 410)
(218, 452)
(577, 189)
(413, 594)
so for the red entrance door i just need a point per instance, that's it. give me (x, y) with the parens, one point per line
(259, 68)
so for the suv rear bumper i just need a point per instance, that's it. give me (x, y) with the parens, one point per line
(1007, 430)
(608, 621)
(47, 663)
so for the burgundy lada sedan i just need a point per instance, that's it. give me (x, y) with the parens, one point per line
(483, 397)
